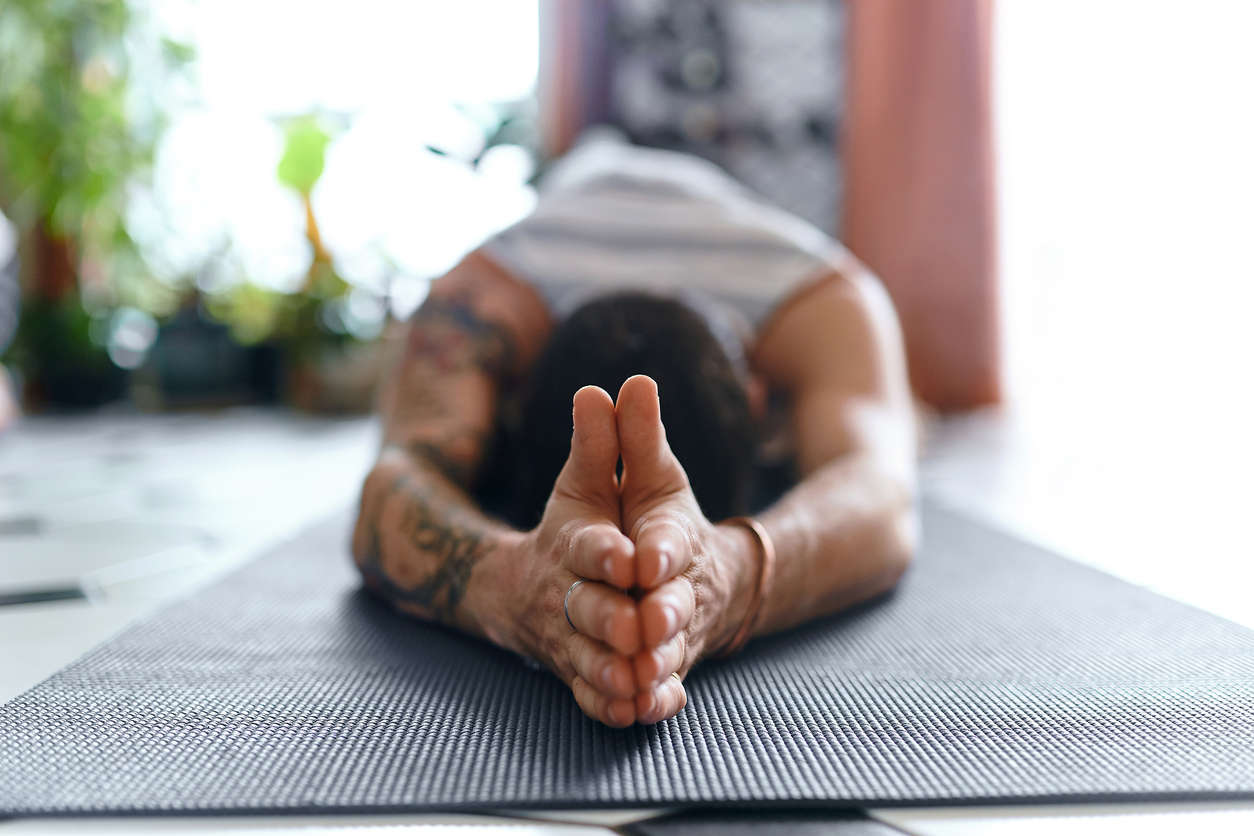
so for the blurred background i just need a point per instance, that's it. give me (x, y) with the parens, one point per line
(212, 216)
(213, 203)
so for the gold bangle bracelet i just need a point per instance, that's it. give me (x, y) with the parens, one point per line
(766, 571)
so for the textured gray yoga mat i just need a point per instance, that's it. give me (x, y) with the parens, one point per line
(997, 672)
(761, 823)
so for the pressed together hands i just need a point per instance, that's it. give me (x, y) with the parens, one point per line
(662, 586)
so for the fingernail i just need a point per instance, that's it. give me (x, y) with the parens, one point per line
(663, 565)
(618, 713)
(671, 615)
(607, 678)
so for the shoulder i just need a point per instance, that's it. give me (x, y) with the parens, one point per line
(838, 329)
(492, 294)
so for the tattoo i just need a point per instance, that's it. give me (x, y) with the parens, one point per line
(455, 456)
(421, 403)
(441, 532)
(451, 336)
(447, 338)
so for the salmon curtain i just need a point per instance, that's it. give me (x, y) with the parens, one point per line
(574, 69)
(919, 190)
(917, 155)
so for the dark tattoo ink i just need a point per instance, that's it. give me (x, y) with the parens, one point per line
(439, 530)
(456, 457)
(446, 338)
(450, 336)
(422, 404)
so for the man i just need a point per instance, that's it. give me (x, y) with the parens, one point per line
(646, 272)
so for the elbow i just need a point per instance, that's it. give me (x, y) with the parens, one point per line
(365, 539)
(899, 539)
(365, 528)
(903, 542)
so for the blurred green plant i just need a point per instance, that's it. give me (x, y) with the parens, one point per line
(310, 319)
(85, 90)
(304, 154)
(66, 346)
(77, 129)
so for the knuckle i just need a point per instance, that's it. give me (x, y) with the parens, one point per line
(591, 543)
(612, 625)
(564, 669)
(646, 667)
(586, 660)
(552, 600)
(570, 649)
(673, 526)
(598, 706)
(564, 541)
(554, 648)
(687, 592)
(681, 645)
(660, 519)
(579, 540)
(580, 689)
(573, 490)
(681, 651)
(675, 471)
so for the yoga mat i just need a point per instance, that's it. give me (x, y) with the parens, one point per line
(996, 673)
(761, 823)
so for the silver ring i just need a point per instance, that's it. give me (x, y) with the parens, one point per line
(566, 604)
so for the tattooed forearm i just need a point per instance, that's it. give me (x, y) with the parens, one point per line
(451, 337)
(441, 545)
(419, 536)
(423, 401)
(441, 410)
(456, 458)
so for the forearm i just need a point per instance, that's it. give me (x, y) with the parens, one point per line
(421, 543)
(420, 540)
(843, 535)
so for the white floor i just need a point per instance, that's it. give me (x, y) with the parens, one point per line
(138, 510)
(1166, 510)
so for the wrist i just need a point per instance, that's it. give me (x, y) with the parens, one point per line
(503, 567)
(739, 558)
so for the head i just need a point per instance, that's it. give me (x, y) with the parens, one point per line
(698, 363)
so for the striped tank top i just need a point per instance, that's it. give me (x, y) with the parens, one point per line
(616, 217)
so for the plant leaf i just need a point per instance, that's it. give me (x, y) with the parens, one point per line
(304, 154)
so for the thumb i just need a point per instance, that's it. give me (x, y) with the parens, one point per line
(656, 498)
(589, 472)
(649, 466)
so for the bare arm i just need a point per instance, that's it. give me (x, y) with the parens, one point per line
(847, 531)
(419, 536)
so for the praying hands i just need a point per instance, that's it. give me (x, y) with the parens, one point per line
(625, 585)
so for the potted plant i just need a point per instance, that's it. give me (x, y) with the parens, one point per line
(73, 136)
(325, 364)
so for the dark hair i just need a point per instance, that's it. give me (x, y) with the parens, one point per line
(705, 405)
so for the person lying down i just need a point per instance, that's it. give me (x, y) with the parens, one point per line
(589, 404)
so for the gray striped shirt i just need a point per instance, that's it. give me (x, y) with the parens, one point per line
(613, 217)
